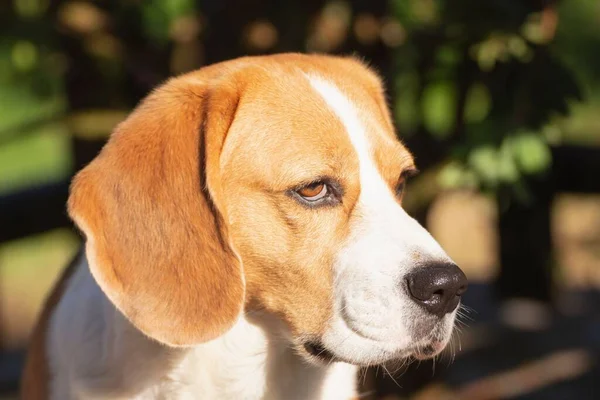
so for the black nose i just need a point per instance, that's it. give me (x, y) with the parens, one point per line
(437, 287)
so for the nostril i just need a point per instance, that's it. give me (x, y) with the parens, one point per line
(418, 289)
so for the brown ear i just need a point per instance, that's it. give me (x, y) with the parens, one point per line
(157, 242)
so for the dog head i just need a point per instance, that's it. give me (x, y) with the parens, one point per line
(273, 185)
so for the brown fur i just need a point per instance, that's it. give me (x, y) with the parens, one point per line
(201, 172)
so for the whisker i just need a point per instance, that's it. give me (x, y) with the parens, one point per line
(365, 372)
(467, 309)
(391, 376)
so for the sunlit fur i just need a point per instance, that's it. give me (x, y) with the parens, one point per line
(204, 275)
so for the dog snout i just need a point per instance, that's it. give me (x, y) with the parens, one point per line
(437, 287)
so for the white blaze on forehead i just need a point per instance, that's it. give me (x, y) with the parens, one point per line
(377, 202)
(348, 114)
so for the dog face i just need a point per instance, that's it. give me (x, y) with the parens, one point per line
(269, 185)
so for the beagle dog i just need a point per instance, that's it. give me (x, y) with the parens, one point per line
(245, 239)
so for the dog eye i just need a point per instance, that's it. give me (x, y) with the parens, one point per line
(405, 176)
(314, 192)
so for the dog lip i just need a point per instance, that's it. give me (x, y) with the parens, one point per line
(428, 351)
(318, 350)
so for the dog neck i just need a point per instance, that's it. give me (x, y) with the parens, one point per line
(115, 360)
(251, 362)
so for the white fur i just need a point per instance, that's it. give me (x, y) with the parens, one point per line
(374, 317)
(95, 353)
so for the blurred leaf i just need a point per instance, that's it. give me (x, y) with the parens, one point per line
(438, 107)
(485, 161)
(24, 55)
(159, 15)
(416, 13)
(30, 8)
(406, 110)
(455, 175)
(520, 49)
(508, 171)
(531, 153)
(478, 103)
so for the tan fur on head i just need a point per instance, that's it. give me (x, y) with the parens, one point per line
(200, 173)
(252, 210)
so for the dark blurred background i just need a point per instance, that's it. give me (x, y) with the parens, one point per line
(498, 99)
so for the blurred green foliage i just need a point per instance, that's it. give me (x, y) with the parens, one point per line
(490, 83)
(494, 82)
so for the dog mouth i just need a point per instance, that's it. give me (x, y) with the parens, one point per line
(425, 343)
(318, 351)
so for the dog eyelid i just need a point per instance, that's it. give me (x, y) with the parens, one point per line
(405, 176)
(409, 173)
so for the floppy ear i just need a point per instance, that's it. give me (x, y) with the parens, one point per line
(157, 241)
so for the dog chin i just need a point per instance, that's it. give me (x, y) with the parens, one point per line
(318, 354)
(365, 352)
